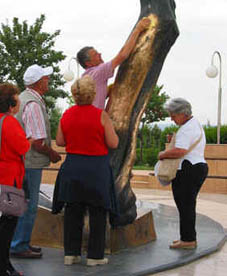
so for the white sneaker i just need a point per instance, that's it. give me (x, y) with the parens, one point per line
(93, 262)
(69, 260)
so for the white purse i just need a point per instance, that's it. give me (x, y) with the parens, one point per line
(166, 169)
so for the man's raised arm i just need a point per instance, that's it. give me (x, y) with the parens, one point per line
(142, 25)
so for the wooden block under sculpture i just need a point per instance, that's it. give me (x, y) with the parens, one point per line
(48, 231)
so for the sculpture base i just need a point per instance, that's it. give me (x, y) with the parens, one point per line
(48, 231)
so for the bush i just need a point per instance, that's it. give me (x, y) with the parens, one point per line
(167, 130)
(223, 134)
(211, 134)
(149, 156)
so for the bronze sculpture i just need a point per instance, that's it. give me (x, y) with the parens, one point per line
(135, 80)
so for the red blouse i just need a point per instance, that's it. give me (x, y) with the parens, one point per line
(14, 145)
(83, 131)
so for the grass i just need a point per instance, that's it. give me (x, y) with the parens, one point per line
(142, 167)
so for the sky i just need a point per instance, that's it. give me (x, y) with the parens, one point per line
(106, 25)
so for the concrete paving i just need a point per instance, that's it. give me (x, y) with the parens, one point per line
(144, 260)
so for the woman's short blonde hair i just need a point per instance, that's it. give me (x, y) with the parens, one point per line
(83, 90)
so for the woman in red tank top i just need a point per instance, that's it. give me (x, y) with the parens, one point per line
(13, 146)
(85, 180)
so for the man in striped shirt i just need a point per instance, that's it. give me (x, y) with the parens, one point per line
(94, 66)
(35, 121)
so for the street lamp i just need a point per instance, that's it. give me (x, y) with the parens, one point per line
(212, 72)
(69, 75)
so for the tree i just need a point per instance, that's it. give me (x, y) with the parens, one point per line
(55, 117)
(21, 46)
(155, 134)
(154, 112)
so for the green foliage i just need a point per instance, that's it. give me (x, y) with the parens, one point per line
(155, 111)
(142, 167)
(223, 134)
(149, 156)
(168, 130)
(22, 45)
(211, 134)
(155, 135)
(158, 140)
(70, 100)
(54, 121)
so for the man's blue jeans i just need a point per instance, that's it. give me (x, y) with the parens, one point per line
(23, 232)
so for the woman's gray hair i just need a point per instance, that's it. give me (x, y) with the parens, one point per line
(179, 105)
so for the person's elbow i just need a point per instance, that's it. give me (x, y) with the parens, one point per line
(113, 144)
(123, 55)
(60, 142)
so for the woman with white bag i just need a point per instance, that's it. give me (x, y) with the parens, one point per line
(192, 170)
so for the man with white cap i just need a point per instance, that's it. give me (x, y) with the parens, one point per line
(35, 121)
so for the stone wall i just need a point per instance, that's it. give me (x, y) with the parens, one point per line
(216, 156)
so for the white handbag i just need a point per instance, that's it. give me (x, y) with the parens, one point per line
(166, 169)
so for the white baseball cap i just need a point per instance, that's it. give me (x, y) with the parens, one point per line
(35, 73)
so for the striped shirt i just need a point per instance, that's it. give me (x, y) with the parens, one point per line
(100, 74)
(33, 119)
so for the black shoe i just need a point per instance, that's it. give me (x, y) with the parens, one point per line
(15, 273)
(11, 271)
(4, 273)
(28, 254)
(35, 248)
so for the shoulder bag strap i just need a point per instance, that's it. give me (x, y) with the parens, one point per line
(196, 142)
(192, 146)
(172, 141)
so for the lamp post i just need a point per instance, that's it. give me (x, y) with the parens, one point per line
(69, 75)
(212, 72)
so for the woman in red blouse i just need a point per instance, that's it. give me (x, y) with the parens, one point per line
(13, 147)
(85, 179)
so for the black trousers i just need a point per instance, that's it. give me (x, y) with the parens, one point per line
(73, 230)
(7, 228)
(186, 187)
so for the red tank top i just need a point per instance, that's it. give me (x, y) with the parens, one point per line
(83, 131)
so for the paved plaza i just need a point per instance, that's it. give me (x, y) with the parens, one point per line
(155, 256)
